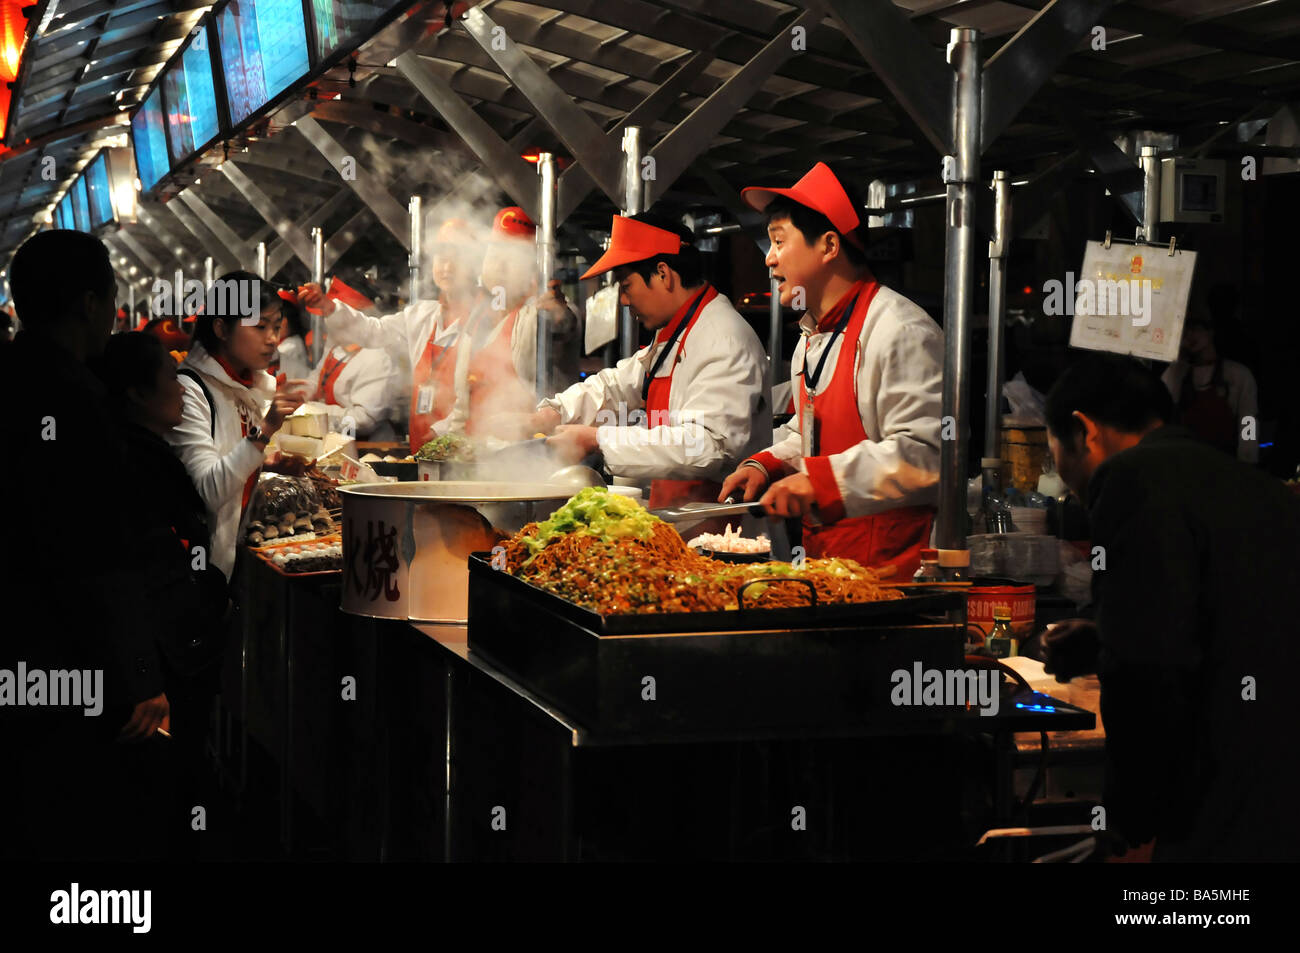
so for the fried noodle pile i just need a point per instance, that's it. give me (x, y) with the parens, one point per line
(640, 564)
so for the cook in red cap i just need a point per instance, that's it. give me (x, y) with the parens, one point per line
(422, 336)
(683, 411)
(860, 462)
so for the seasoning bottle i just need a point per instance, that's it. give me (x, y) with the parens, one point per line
(1001, 642)
(929, 571)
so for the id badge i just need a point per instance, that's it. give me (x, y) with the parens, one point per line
(807, 424)
(424, 399)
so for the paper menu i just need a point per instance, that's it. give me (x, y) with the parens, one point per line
(1151, 305)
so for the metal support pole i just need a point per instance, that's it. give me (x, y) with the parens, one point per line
(178, 296)
(209, 271)
(1149, 231)
(318, 276)
(414, 208)
(261, 261)
(773, 334)
(633, 203)
(545, 267)
(998, 249)
(964, 55)
(130, 306)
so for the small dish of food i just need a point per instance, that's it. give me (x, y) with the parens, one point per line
(730, 546)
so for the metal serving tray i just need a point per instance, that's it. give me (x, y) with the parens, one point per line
(751, 670)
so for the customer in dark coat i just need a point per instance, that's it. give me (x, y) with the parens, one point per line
(172, 547)
(66, 573)
(1196, 622)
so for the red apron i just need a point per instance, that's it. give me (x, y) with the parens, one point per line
(494, 385)
(664, 493)
(895, 537)
(1207, 412)
(333, 369)
(436, 368)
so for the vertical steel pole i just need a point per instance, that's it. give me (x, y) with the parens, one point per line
(318, 276)
(963, 54)
(261, 261)
(1149, 231)
(545, 267)
(998, 248)
(209, 271)
(415, 208)
(633, 202)
(773, 334)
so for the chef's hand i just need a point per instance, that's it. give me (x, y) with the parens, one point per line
(1071, 649)
(749, 479)
(544, 421)
(145, 720)
(572, 442)
(284, 404)
(793, 496)
(312, 297)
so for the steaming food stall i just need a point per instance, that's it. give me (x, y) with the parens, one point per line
(429, 679)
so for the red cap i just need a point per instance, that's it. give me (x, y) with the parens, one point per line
(349, 296)
(630, 241)
(513, 222)
(455, 231)
(818, 190)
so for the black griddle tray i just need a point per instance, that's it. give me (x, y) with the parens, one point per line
(796, 617)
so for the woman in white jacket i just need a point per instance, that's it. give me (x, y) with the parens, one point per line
(232, 407)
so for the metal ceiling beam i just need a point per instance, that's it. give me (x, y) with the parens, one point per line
(512, 173)
(140, 252)
(207, 241)
(279, 253)
(164, 229)
(749, 220)
(1025, 62)
(214, 223)
(266, 208)
(576, 183)
(578, 131)
(1120, 173)
(365, 184)
(695, 134)
(902, 59)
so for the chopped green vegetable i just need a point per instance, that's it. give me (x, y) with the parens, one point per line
(596, 512)
(450, 447)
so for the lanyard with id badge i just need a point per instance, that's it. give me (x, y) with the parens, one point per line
(807, 413)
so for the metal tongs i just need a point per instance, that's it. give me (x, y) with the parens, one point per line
(698, 512)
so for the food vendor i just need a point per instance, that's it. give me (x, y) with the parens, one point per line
(859, 462)
(684, 410)
(496, 375)
(428, 332)
(1214, 396)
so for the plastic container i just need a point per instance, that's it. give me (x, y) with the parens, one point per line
(984, 600)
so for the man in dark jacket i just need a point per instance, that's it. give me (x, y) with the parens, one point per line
(66, 575)
(1196, 572)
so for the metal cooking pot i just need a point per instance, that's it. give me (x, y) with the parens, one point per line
(405, 544)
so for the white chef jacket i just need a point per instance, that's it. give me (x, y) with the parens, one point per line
(718, 402)
(218, 459)
(523, 356)
(361, 389)
(1242, 396)
(898, 379)
(403, 335)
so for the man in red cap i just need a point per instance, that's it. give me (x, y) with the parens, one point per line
(425, 333)
(860, 460)
(684, 410)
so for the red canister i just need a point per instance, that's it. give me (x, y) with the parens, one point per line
(1018, 601)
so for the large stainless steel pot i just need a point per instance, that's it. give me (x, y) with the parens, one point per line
(405, 544)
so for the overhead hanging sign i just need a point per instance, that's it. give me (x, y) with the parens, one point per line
(1128, 299)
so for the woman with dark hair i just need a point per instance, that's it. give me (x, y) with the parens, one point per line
(187, 594)
(232, 405)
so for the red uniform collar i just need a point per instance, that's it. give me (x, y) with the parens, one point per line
(832, 317)
(680, 315)
(229, 368)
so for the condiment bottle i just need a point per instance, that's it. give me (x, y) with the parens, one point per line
(1001, 642)
(929, 571)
